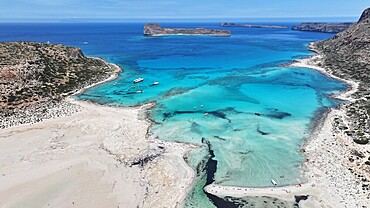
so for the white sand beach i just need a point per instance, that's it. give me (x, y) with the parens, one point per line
(85, 160)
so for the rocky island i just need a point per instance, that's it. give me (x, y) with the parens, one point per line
(158, 30)
(323, 27)
(228, 24)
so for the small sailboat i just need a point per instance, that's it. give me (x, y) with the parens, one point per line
(138, 80)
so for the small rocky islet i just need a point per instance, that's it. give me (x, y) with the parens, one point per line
(230, 24)
(152, 29)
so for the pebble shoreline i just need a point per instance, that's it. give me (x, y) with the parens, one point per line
(38, 113)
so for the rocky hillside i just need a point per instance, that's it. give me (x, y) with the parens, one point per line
(347, 55)
(32, 73)
(323, 27)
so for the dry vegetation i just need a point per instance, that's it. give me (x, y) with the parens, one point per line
(347, 55)
(31, 73)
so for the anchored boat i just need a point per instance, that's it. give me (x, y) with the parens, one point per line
(154, 83)
(138, 80)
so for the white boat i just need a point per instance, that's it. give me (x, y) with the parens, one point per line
(154, 83)
(138, 80)
(273, 182)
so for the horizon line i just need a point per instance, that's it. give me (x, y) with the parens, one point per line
(169, 19)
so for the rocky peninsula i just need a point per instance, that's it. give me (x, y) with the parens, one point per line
(323, 27)
(158, 30)
(347, 56)
(35, 77)
(229, 24)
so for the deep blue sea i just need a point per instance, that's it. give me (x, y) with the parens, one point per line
(233, 92)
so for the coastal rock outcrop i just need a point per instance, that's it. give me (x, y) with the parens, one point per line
(347, 55)
(323, 27)
(229, 24)
(158, 30)
(365, 15)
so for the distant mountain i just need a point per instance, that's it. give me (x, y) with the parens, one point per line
(323, 27)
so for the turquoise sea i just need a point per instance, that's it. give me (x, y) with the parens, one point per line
(233, 93)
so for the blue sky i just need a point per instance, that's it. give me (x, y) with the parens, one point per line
(62, 9)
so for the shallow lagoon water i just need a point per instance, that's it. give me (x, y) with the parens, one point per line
(232, 91)
(256, 128)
